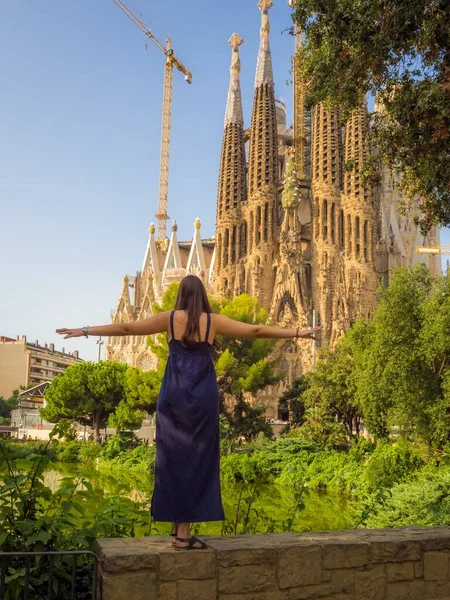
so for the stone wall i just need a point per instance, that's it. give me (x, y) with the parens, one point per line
(389, 564)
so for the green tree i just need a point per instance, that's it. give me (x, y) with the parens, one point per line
(141, 391)
(87, 393)
(332, 386)
(395, 386)
(7, 405)
(398, 51)
(320, 428)
(292, 400)
(244, 367)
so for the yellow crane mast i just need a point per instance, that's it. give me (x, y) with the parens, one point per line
(171, 62)
(444, 249)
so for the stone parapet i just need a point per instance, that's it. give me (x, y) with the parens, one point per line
(382, 564)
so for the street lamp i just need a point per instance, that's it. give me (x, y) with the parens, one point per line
(100, 343)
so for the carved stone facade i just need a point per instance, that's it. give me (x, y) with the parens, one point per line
(297, 225)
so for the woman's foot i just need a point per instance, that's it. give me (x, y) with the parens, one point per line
(184, 541)
(192, 543)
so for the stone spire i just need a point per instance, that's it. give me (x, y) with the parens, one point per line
(232, 189)
(263, 160)
(234, 113)
(264, 71)
(232, 185)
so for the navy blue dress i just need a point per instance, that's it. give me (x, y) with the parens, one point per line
(187, 483)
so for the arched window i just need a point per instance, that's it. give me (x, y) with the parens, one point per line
(219, 251)
(233, 245)
(325, 220)
(226, 245)
(341, 230)
(243, 240)
(252, 231)
(317, 223)
(258, 225)
(333, 223)
(266, 221)
(357, 239)
(349, 235)
(366, 241)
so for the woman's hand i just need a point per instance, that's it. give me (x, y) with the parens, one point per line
(309, 334)
(70, 333)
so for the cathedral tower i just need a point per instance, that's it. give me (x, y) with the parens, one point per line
(231, 229)
(326, 209)
(262, 211)
(359, 226)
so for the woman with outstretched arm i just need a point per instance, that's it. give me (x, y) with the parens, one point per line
(187, 484)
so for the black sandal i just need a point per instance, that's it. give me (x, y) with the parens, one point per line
(190, 544)
(173, 533)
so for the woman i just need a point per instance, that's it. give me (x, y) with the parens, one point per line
(187, 485)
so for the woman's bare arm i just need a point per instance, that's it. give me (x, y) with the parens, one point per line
(235, 329)
(157, 324)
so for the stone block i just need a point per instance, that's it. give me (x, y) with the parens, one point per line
(175, 565)
(418, 569)
(422, 590)
(326, 575)
(128, 558)
(435, 538)
(299, 566)
(247, 578)
(400, 590)
(203, 589)
(435, 566)
(246, 556)
(442, 590)
(272, 595)
(395, 551)
(344, 555)
(310, 592)
(343, 580)
(400, 571)
(135, 585)
(370, 583)
(168, 590)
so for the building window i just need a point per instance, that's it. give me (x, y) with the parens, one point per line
(252, 231)
(349, 236)
(333, 223)
(233, 245)
(325, 220)
(341, 230)
(219, 251)
(266, 221)
(357, 239)
(258, 225)
(226, 244)
(243, 240)
(366, 241)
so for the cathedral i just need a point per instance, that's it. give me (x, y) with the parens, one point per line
(297, 225)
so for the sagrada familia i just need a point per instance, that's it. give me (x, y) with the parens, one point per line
(296, 227)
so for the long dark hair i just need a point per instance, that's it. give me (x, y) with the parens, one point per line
(193, 299)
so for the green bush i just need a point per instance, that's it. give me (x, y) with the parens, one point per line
(243, 467)
(423, 501)
(392, 463)
(89, 451)
(68, 452)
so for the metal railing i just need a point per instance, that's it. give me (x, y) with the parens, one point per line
(72, 591)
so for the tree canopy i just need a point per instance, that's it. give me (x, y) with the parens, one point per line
(95, 394)
(394, 371)
(398, 51)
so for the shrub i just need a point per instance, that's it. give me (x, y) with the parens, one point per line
(68, 452)
(89, 451)
(391, 464)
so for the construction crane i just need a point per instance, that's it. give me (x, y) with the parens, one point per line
(442, 250)
(171, 62)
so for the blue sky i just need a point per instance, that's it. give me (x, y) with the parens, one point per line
(80, 118)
